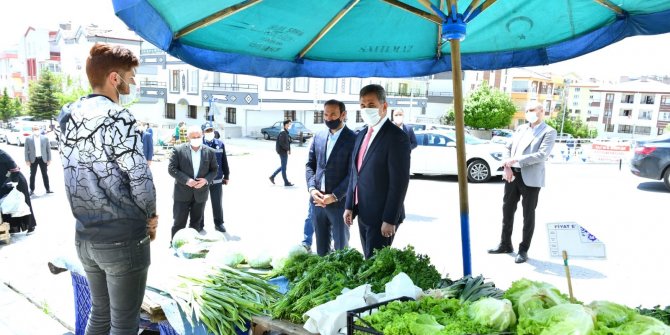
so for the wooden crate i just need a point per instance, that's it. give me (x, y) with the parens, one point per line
(262, 324)
(4, 232)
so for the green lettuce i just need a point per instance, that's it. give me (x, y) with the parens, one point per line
(495, 313)
(563, 319)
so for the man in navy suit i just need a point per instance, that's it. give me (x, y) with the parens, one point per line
(327, 173)
(379, 174)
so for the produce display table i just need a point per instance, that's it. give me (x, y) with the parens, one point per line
(262, 324)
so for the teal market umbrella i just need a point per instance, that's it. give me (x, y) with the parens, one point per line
(388, 38)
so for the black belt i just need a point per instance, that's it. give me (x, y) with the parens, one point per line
(516, 169)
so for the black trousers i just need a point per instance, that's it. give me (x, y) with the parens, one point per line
(43, 169)
(513, 192)
(181, 210)
(372, 239)
(328, 224)
(215, 191)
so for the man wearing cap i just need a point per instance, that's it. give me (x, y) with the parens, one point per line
(221, 178)
(524, 175)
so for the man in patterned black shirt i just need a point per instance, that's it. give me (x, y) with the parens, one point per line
(111, 191)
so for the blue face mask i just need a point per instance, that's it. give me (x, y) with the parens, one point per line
(333, 124)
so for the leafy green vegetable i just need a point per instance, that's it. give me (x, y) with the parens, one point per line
(468, 288)
(184, 236)
(529, 296)
(611, 315)
(495, 313)
(662, 314)
(389, 262)
(562, 319)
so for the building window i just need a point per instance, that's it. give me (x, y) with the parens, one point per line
(318, 117)
(289, 115)
(301, 85)
(519, 86)
(664, 116)
(627, 98)
(578, 111)
(192, 112)
(665, 100)
(192, 81)
(330, 85)
(358, 116)
(647, 100)
(355, 86)
(609, 128)
(609, 97)
(644, 115)
(231, 115)
(625, 129)
(170, 111)
(577, 89)
(643, 130)
(660, 131)
(273, 84)
(174, 81)
(626, 112)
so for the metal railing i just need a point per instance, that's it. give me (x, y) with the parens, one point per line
(153, 83)
(440, 94)
(153, 51)
(406, 94)
(230, 86)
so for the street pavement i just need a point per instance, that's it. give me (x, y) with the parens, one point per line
(627, 213)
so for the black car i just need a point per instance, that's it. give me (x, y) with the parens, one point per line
(652, 159)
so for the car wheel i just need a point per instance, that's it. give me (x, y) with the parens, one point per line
(666, 178)
(266, 136)
(478, 171)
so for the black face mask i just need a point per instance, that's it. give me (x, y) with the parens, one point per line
(333, 124)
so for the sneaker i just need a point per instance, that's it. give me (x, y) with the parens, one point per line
(272, 180)
(288, 184)
(50, 191)
(30, 230)
(220, 227)
(307, 247)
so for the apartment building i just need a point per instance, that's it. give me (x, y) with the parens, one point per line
(637, 108)
(530, 86)
(11, 77)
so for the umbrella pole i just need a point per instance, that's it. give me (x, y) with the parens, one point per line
(457, 79)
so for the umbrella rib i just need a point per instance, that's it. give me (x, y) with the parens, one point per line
(474, 13)
(468, 10)
(430, 17)
(218, 16)
(328, 26)
(611, 6)
(439, 34)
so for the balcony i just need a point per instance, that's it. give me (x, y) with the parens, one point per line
(153, 89)
(406, 94)
(230, 93)
(153, 51)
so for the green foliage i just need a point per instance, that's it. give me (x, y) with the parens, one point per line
(449, 118)
(17, 107)
(667, 128)
(576, 128)
(71, 92)
(6, 107)
(43, 103)
(487, 108)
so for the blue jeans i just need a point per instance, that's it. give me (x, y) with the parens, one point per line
(282, 168)
(117, 277)
(308, 230)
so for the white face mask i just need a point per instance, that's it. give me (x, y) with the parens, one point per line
(370, 116)
(209, 136)
(531, 117)
(36, 132)
(398, 119)
(196, 142)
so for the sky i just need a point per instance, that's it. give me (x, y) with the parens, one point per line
(635, 56)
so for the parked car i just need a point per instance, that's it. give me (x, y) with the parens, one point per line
(501, 136)
(17, 135)
(433, 126)
(436, 154)
(652, 160)
(293, 132)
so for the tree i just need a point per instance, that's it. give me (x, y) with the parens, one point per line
(576, 128)
(488, 108)
(667, 129)
(6, 106)
(70, 92)
(449, 118)
(43, 103)
(17, 107)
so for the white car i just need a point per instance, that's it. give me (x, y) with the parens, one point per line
(436, 154)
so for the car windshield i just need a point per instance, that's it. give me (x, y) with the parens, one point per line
(297, 125)
(469, 139)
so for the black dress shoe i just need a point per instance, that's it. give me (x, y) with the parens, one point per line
(30, 230)
(50, 191)
(288, 184)
(272, 180)
(501, 249)
(220, 228)
(522, 257)
(32, 193)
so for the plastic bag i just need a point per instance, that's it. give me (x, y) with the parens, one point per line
(14, 203)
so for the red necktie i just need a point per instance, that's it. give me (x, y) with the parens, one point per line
(361, 153)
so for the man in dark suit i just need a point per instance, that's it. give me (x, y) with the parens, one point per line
(191, 188)
(38, 153)
(379, 173)
(283, 147)
(327, 173)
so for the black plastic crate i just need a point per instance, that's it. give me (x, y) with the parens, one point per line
(358, 314)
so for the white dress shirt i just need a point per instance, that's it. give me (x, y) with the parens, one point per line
(195, 160)
(375, 131)
(38, 145)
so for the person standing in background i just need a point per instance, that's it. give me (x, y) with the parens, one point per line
(38, 153)
(222, 177)
(283, 148)
(398, 118)
(147, 142)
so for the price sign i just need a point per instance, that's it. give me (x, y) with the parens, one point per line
(575, 239)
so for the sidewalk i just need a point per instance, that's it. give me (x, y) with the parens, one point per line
(22, 317)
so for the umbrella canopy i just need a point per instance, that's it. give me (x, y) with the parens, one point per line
(382, 38)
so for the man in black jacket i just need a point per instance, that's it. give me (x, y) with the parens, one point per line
(283, 148)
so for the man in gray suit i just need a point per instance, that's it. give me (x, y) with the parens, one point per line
(38, 152)
(524, 175)
(191, 188)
